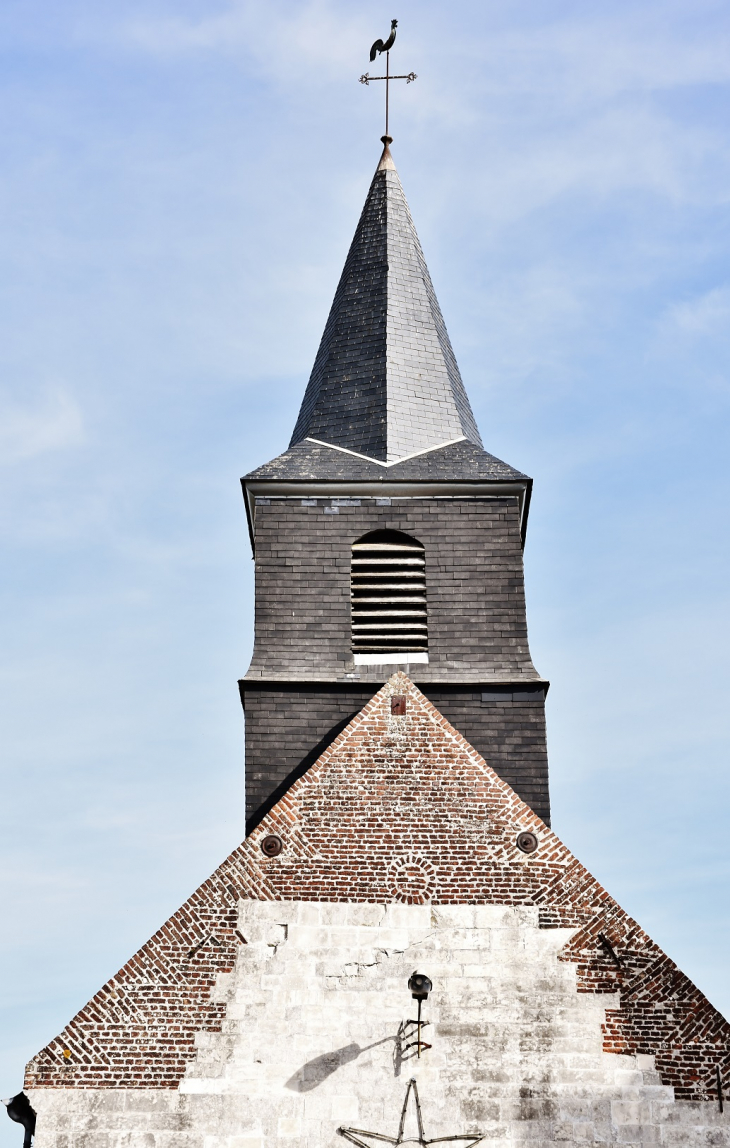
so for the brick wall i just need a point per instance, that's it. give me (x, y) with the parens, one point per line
(398, 809)
(317, 1037)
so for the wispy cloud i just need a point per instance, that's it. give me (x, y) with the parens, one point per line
(706, 315)
(50, 421)
(278, 37)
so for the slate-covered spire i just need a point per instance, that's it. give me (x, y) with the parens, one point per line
(385, 381)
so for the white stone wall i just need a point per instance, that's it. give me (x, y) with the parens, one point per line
(314, 1040)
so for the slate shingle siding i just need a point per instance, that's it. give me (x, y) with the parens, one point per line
(288, 727)
(412, 303)
(458, 462)
(346, 401)
(303, 682)
(477, 630)
(385, 380)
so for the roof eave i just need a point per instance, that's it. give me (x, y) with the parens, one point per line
(383, 488)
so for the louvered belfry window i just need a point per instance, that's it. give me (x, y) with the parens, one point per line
(388, 594)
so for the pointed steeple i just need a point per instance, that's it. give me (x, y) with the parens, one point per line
(385, 383)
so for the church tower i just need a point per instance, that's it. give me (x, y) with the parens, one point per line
(386, 536)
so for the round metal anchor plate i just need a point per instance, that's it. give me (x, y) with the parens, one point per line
(527, 842)
(272, 845)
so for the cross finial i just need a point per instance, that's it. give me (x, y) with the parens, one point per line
(384, 46)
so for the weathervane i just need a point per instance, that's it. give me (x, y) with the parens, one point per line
(384, 46)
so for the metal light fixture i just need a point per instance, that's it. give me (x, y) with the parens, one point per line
(420, 986)
(19, 1109)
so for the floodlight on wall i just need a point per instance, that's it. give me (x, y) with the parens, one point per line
(420, 986)
(19, 1109)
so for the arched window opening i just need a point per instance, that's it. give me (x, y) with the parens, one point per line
(388, 587)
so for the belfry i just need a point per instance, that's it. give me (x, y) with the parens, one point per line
(401, 949)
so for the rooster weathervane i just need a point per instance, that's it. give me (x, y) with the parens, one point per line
(379, 47)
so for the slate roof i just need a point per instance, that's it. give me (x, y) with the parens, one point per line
(385, 381)
(457, 462)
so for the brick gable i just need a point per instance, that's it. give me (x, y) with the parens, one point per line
(398, 808)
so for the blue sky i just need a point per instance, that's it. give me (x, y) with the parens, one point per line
(179, 183)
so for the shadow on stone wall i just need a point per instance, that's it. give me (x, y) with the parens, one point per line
(314, 1072)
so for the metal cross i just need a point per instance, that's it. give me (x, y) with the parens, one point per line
(387, 77)
(354, 1134)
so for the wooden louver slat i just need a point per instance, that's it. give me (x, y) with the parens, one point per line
(388, 592)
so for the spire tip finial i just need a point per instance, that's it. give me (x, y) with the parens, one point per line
(386, 159)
